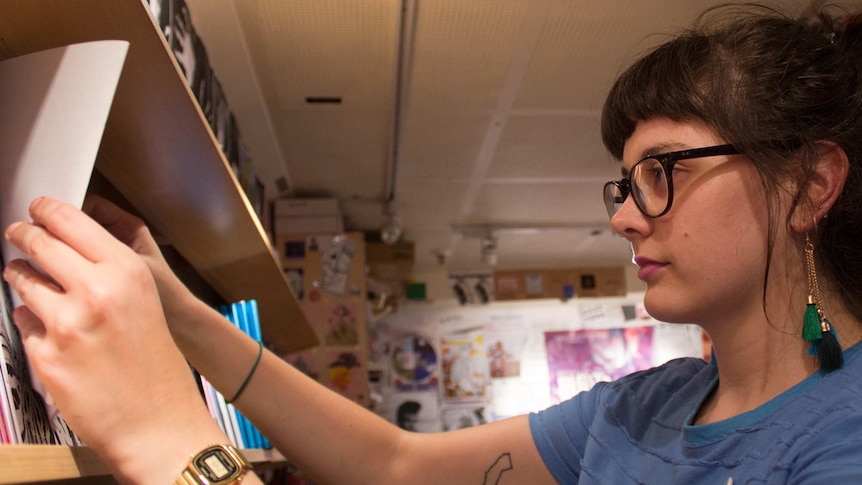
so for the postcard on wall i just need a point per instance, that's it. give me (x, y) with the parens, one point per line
(305, 361)
(335, 266)
(460, 416)
(464, 366)
(341, 323)
(505, 339)
(344, 374)
(296, 279)
(414, 411)
(414, 363)
(578, 359)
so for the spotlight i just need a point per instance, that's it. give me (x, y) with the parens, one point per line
(391, 232)
(489, 250)
(458, 288)
(482, 292)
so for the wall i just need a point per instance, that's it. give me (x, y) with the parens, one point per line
(475, 363)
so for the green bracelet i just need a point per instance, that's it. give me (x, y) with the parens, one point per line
(248, 377)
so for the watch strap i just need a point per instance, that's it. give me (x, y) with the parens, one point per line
(187, 477)
(193, 475)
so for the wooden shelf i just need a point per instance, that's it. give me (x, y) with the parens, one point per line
(37, 463)
(160, 153)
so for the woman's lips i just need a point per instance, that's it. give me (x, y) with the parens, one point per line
(648, 268)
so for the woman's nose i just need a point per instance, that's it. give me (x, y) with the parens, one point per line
(629, 221)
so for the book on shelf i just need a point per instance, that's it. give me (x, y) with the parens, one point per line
(174, 19)
(55, 106)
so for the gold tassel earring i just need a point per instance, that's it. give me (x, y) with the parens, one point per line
(816, 328)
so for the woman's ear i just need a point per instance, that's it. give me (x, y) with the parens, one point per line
(824, 187)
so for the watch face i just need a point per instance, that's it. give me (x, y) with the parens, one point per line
(217, 465)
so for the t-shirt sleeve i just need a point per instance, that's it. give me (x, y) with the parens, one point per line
(561, 432)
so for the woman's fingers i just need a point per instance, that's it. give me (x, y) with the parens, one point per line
(51, 255)
(119, 223)
(31, 285)
(75, 228)
(29, 325)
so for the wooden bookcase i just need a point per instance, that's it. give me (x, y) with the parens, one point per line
(160, 154)
(38, 463)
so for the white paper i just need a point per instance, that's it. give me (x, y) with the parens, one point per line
(53, 108)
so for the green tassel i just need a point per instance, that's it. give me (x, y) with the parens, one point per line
(811, 324)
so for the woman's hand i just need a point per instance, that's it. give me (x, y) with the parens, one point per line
(95, 334)
(132, 231)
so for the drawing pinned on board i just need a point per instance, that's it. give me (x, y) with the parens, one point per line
(335, 265)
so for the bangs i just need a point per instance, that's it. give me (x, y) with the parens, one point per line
(669, 82)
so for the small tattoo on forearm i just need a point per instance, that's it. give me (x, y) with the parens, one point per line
(500, 466)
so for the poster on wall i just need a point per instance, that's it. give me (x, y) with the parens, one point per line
(460, 416)
(414, 363)
(415, 411)
(464, 366)
(578, 359)
(341, 323)
(505, 342)
(335, 263)
(305, 362)
(344, 374)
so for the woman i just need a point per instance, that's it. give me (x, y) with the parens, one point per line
(741, 150)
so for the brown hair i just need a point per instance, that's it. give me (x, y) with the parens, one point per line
(774, 86)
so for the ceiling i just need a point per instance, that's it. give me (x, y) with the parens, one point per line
(474, 117)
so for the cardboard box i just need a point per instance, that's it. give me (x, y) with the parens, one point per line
(391, 264)
(400, 252)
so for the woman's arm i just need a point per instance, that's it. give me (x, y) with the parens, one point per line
(331, 438)
(335, 440)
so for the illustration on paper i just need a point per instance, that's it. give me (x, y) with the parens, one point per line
(414, 363)
(578, 359)
(344, 375)
(465, 366)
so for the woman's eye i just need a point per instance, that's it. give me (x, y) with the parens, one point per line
(656, 173)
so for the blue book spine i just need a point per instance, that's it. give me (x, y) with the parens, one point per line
(253, 317)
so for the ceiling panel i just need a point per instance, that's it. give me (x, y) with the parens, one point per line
(439, 146)
(430, 204)
(333, 151)
(552, 146)
(529, 204)
(461, 53)
(585, 43)
(323, 48)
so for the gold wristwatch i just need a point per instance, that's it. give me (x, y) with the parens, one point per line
(215, 465)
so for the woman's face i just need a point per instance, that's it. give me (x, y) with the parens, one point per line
(705, 258)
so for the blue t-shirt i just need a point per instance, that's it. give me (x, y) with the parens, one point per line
(638, 430)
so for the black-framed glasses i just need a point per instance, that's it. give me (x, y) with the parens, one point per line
(651, 180)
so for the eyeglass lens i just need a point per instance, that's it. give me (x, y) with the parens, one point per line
(649, 186)
(647, 183)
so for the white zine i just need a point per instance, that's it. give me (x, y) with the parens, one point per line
(54, 105)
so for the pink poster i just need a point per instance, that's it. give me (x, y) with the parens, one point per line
(578, 359)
